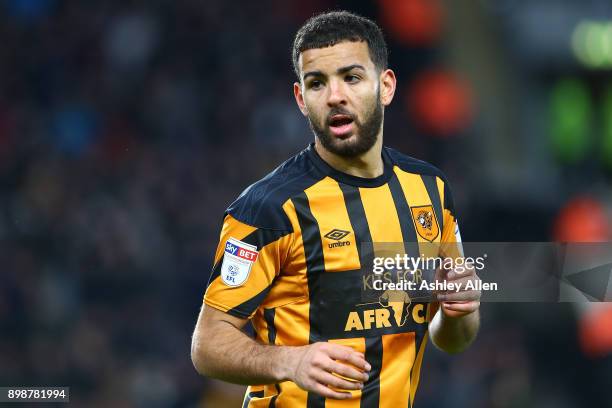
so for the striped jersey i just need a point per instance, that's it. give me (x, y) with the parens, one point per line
(295, 256)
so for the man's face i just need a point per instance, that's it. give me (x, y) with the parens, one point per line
(340, 93)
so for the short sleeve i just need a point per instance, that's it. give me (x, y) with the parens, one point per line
(451, 237)
(247, 261)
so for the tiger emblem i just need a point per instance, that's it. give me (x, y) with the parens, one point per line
(425, 222)
(425, 219)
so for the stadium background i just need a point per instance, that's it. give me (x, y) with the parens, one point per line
(126, 128)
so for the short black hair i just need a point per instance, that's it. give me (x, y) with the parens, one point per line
(331, 28)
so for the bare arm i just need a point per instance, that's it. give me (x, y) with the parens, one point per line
(454, 334)
(221, 350)
(456, 323)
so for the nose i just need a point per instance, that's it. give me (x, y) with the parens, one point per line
(336, 95)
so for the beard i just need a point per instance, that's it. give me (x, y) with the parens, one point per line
(365, 136)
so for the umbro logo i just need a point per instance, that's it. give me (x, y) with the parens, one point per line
(337, 235)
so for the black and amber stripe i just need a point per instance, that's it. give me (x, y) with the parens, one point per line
(258, 238)
(244, 301)
(370, 394)
(355, 203)
(315, 265)
(314, 293)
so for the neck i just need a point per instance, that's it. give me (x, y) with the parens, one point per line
(367, 165)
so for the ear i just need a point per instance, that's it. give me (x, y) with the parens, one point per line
(387, 86)
(299, 98)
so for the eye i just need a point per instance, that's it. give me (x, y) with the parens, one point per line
(315, 84)
(351, 78)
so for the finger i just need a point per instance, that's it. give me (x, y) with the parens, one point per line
(338, 349)
(348, 372)
(329, 393)
(440, 274)
(442, 271)
(456, 274)
(462, 296)
(349, 355)
(461, 283)
(326, 378)
(462, 306)
(463, 280)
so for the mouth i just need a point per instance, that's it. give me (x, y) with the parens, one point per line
(341, 125)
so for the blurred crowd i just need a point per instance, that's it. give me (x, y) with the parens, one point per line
(126, 128)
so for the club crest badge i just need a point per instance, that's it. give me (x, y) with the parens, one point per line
(425, 222)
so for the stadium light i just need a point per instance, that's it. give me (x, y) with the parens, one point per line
(592, 44)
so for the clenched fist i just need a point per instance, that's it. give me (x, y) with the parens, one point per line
(318, 367)
(464, 301)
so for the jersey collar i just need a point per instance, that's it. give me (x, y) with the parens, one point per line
(341, 177)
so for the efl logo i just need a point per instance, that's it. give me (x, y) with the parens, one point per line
(241, 252)
(238, 259)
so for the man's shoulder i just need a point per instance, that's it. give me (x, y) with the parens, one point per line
(261, 204)
(410, 164)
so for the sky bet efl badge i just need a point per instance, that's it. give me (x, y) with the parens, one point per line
(237, 262)
(425, 222)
